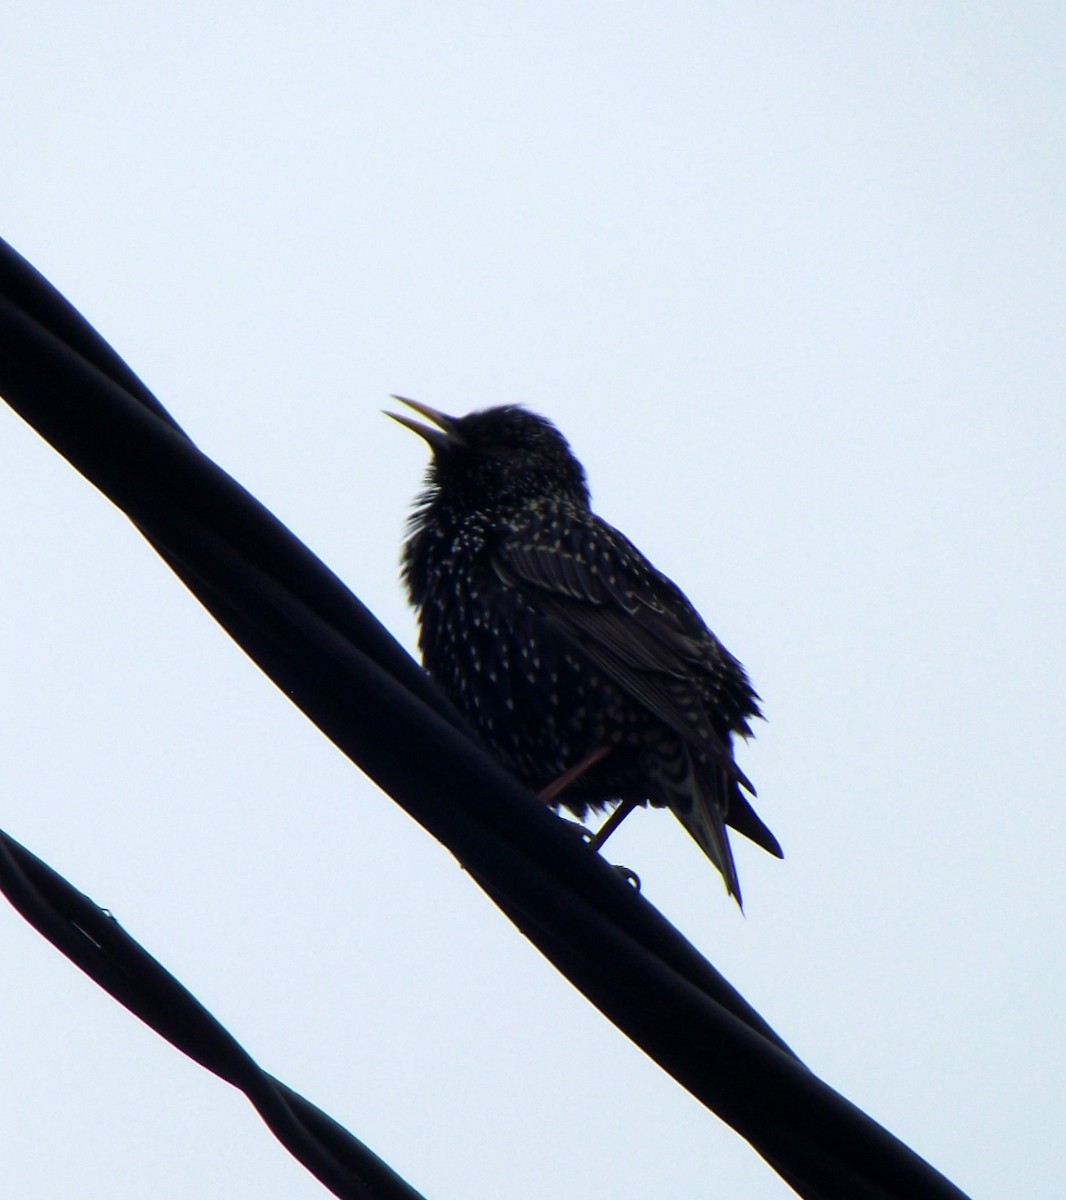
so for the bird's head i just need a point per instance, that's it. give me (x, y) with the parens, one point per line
(496, 457)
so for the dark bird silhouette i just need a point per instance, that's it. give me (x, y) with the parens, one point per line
(583, 669)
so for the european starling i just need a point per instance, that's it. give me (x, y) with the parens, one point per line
(583, 669)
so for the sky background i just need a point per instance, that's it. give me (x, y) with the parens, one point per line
(791, 279)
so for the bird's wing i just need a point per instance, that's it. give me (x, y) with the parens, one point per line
(621, 614)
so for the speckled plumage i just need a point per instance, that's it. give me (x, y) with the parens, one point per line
(555, 636)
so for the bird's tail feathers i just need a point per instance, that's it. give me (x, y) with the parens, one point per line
(744, 819)
(698, 805)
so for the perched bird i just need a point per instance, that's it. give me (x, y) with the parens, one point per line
(583, 669)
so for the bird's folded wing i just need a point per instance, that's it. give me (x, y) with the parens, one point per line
(621, 627)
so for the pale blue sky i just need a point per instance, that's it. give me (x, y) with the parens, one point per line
(791, 279)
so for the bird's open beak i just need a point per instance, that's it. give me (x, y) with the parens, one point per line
(443, 437)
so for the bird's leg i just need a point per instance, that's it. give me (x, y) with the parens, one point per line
(594, 841)
(611, 824)
(549, 794)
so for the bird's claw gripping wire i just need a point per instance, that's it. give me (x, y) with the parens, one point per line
(591, 839)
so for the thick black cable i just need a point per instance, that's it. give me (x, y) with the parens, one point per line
(342, 668)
